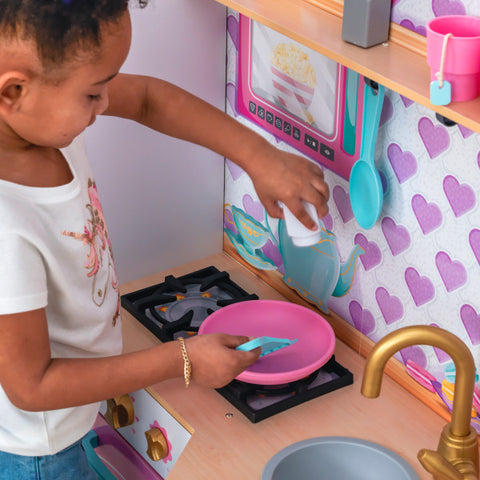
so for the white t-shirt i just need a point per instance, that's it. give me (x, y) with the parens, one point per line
(55, 254)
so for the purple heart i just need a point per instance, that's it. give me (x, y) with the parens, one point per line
(235, 171)
(328, 222)
(453, 273)
(228, 221)
(342, 201)
(474, 239)
(460, 196)
(231, 94)
(421, 288)
(406, 101)
(232, 29)
(372, 256)
(448, 7)
(428, 215)
(384, 181)
(387, 111)
(404, 164)
(471, 321)
(421, 30)
(271, 251)
(390, 305)
(362, 319)
(397, 237)
(435, 138)
(414, 28)
(415, 354)
(466, 132)
(253, 208)
(441, 355)
(405, 23)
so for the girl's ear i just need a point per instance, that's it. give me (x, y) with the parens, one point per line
(13, 86)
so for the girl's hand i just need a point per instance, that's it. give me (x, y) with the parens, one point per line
(215, 362)
(291, 179)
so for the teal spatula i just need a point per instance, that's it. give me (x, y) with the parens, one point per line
(268, 344)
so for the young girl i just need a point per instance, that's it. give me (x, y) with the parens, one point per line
(60, 334)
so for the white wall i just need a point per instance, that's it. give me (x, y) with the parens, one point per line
(162, 197)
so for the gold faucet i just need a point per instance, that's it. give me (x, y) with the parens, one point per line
(456, 457)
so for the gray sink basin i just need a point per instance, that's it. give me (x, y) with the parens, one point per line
(337, 458)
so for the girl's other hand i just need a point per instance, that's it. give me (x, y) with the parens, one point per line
(290, 179)
(215, 362)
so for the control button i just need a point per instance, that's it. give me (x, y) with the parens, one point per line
(252, 107)
(270, 118)
(327, 152)
(157, 444)
(287, 128)
(296, 133)
(311, 142)
(278, 123)
(261, 112)
(120, 412)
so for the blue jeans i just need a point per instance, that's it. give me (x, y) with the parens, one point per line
(68, 464)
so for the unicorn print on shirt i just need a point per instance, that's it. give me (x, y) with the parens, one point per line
(99, 263)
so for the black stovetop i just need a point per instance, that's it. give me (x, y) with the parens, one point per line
(178, 306)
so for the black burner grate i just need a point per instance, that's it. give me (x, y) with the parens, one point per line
(258, 402)
(178, 306)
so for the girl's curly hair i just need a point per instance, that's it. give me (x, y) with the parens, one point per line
(59, 28)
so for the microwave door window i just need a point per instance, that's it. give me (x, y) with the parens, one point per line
(294, 78)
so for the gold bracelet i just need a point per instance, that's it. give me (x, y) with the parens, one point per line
(187, 365)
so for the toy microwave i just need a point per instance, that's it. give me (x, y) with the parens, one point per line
(302, 97)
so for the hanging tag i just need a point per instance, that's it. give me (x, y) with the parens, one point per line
(440, 89)
(440, 95)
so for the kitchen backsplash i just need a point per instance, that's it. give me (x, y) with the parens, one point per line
(413, 14)
(421, 261)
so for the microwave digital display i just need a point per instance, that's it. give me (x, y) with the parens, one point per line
(302, 97)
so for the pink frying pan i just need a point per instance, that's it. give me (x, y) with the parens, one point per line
(273, 318)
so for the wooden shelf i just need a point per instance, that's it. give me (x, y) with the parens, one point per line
(395, 66)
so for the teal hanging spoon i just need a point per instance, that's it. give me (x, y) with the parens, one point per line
(366, 191)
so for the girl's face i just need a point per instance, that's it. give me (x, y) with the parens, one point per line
(52, 113)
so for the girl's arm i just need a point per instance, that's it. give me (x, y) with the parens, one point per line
(34, 381)
(276, 175)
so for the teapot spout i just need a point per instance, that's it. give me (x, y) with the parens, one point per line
(347, 271)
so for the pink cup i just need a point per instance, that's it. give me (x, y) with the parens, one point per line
(462, 57)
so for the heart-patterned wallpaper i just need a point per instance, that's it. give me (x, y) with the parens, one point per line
(421, 261)
(414, 15)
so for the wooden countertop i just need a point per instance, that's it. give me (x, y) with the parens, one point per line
(226, 446)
